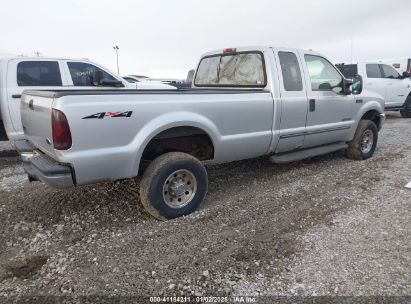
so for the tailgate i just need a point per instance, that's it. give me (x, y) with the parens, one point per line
(36, 121)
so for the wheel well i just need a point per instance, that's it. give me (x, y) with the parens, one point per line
(374, 116)
(191, 140)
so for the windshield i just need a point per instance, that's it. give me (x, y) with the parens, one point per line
(231, 70)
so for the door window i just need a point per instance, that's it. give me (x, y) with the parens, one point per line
(38, 73)
(389, 72)
(323, 75)
(82, 73)
(290, 69)
(373, 71)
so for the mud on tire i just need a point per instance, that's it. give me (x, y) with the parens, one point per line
(364, 142)
(174, 184)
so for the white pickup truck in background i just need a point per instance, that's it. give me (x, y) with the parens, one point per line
(20, 73)
(384, 80)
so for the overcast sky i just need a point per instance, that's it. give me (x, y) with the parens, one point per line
(166, 37)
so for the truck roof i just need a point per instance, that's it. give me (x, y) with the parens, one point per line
(6, 58)
(255, 48)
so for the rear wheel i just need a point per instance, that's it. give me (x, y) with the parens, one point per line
(364, 142)
(174, 184)
(406, 110)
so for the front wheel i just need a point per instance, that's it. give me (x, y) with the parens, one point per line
(406, 110)
(364, 142)
(174, 184)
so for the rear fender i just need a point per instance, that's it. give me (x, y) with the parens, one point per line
(168, 121)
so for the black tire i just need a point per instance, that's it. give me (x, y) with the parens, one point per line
(3, 134)
(359, 150)
(406, 110)
(173, 185)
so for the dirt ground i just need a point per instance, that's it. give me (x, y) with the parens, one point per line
(323, 226)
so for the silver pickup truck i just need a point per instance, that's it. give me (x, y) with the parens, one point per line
(247, 102)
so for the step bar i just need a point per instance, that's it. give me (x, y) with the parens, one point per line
(289, 157)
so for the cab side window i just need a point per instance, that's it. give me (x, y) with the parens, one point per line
(38, 74)
(389, 72)
(290, 69)
(323, 75)
(373, 71)
(82, 73)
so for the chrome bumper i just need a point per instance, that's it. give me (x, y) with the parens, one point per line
(40, 167)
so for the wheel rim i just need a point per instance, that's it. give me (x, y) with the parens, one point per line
(367, 141)
(179, 188)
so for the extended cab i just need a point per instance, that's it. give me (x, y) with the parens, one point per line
(21, 73)
(247, 102)
(386, 81)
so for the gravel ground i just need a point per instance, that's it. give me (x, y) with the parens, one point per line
(325, 226)
(6, 149)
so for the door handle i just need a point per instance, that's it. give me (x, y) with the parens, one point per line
(312, 105)
(16, 96)
(31, 104)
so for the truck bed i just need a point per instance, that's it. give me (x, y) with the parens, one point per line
(107, 146)
(61, 93)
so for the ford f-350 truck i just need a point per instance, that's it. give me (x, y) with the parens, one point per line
(246, 102)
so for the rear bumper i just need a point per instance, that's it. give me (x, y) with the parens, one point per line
(40, 167)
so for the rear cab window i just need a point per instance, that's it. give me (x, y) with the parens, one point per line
(242, 69)
(38, 74)
(82, 73)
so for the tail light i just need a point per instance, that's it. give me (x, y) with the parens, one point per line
(61, 130)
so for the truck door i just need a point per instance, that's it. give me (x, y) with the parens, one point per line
(24, 74)
(293, 101)
(397, 88)
(330, 114)
(374, 81)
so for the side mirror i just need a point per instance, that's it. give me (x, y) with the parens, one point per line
(406, 75)
(99, 81)
(357, 85)
(346, 83)
(97, 76)
(111, 83)
(326, 86)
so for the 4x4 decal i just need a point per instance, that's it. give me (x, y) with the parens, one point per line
(101, 115)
